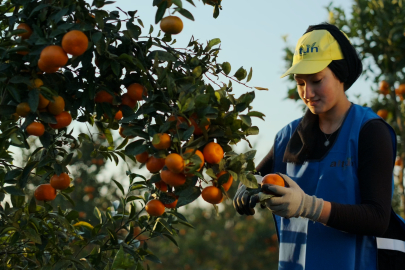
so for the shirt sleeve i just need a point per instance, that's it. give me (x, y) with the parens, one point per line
(375, 169)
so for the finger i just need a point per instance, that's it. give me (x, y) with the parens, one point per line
(276, 208)
(236, 204)
(276, 201)
(245, 201)
(254, 200)
(274, 189)
(240, 203)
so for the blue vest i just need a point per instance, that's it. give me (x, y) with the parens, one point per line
(310, 245)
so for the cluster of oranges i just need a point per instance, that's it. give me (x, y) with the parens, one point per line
(384, 88)
(135, 92)
(55, 107)
(175, 168)
(47, 192)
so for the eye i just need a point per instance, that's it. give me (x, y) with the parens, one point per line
(318, 81)
(300, 84)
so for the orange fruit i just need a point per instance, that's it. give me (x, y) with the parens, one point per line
(37, 83)
(383, 113)
(27, 28)
(23, 109)
(36, 129)
(53, 56)
(162, 186)
(47, 69)
(118, 115)
(213, 153)
(228, 183)
(43, 102)
(171, 25)
(126, 100)
(56, 106)
(198, 153)
(143, 157)
(273, 179)
(172, 204)
(154, 164)
(103, 96)
(155, 208)
(197, 129)
(75, 42)
(45, 192)
(136, 91)
(61, 181)
(401, 89)
(164, 141)
(172, 179)
(212, 195)
(89, 189)
(23, 52)
(63, 120)
(175, 163)
(384, 87)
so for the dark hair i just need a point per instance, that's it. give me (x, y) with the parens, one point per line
(349, 69)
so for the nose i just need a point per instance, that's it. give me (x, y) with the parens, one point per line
(308, 91)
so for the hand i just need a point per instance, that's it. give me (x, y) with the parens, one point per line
(292, 201)
(245, 200)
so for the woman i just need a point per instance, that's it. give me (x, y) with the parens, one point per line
(337, 161)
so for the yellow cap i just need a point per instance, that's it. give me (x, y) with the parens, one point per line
(314, 52)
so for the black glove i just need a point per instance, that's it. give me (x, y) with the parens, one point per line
(246, 199)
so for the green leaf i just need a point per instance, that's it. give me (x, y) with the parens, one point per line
(168, 236)
(161, 56)
(226, 67)
(152, 258)
(135, 148)
(133, 30)
(122, 260)
(26, 173)
(250, 75)
(119, 186)
(256, 114)
(33, 235)
(240, 74)
(188, 195)
(248, 180)
(97, 214)
(197, 71)
(216, 11)
(212, 43)
(67, 197)
(186, 13)
(160, 11)
(13, 190)
(246, 120)
(252, 131)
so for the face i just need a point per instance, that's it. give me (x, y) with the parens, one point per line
(321, 91)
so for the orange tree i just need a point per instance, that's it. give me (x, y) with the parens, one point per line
(376, 29)
(66, 62)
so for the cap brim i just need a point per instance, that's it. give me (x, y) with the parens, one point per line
(307, 67)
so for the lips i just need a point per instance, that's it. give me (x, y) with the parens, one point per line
(313, 102)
